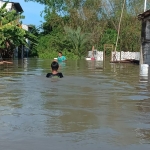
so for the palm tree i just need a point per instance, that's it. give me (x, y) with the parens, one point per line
(78, 40)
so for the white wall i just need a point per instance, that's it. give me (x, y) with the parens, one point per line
(8, 6)
(125, 55)
(97, 54)
(25, 27)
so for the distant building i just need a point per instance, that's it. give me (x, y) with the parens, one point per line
(25, 49)
(12, 6)
(145, 36)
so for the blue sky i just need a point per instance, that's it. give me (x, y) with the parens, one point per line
(32, 12)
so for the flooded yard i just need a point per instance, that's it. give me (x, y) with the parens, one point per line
(91, 108)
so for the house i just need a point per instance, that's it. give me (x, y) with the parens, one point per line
(12, 6)
(26, 49)
(145, 36)
(23, 51)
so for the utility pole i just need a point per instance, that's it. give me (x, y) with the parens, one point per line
(119, 26)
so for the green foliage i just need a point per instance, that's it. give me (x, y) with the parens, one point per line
(50, 42)
(11, 33)
(54, 54)
(78, 40)
(108, 37)
(72, 43)
(67, 23)
(49, 46)
(70, 55)
(33, 47)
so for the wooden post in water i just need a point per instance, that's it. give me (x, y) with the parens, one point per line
(107, 46)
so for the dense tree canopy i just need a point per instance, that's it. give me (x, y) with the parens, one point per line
(97, 18)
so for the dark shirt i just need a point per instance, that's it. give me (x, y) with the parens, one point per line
(58, 75)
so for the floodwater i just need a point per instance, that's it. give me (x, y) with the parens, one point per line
(91, 108)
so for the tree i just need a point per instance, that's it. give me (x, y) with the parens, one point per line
(78, 40)
(11, 32)
(98, 17)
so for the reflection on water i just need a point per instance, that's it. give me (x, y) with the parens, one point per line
(94, 106)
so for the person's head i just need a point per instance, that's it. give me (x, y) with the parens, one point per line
(59, 54)
(54, 66)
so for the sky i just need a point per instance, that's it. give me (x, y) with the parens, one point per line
(31, 12)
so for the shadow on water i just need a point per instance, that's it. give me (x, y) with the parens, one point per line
(92, 107)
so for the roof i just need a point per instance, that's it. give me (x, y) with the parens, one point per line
(17, 6)
(144, 15)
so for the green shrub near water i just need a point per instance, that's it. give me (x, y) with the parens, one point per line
(54, 54)
(49, 45)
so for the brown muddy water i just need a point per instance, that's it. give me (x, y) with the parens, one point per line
(89, 109)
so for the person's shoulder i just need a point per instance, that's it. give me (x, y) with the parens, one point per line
(60, 75)
(49, 75)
